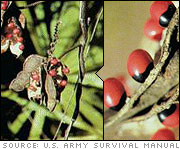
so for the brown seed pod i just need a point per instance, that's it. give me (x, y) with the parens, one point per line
(20, 82)
(51, 93)
(22, 20)
(33, 62)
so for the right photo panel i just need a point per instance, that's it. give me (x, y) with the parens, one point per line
(141, 70)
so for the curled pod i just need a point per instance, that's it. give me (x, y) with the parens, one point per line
(20, 82)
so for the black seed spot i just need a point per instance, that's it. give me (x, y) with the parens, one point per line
(142, 77)
(121, 103)
(164, 114)
(165, 18)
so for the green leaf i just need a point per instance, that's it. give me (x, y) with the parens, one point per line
(37, 125)
(96, 119)
(69, 28)
(20, 120)
(90, 79)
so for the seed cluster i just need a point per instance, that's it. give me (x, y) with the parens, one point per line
(14, 33)
(11, 35)
(58, 71)
(48, 79)
(161, 13)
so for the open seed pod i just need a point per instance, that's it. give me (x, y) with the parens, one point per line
(20, 82)
(42, 87)
(12, 36)
(35, 87)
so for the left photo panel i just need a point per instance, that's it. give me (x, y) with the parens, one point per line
(50, 54)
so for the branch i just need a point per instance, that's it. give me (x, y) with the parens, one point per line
(54, 41)
(69, 50)
(31, 5)
(157, 108)
(84, 27)
(78, 87)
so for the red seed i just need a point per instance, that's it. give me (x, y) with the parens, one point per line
(5, 2)
(3, 6)
(114, 94)
(139, 65)
(170, 117)
(36, 77)
(152, 30)
(9, 35)
(162, 12)
(21, 47)
(53, 72)
(163, 134)
(54, 61)
(63, 83)
(20, 39)
(11, 25)
(65, 70)
(124, 81)
(16, 31)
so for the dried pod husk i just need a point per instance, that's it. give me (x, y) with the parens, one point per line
(14, 48)
(4, 44)
(33, 62)
(22, 20)
(20, 82)
(51, 93)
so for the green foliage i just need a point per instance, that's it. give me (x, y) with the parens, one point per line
(89, 124)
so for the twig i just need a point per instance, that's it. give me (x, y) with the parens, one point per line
(54, 41)
(84, 27)
(157, 108)
(83, 19)
(31, 5)
(78, 86)
(94, 31)
(69, 103)
(69, 50)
